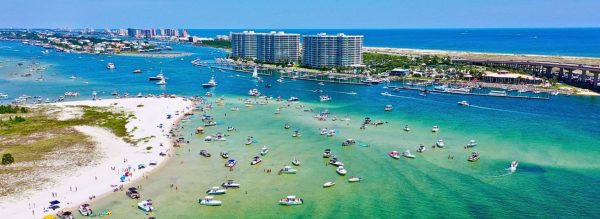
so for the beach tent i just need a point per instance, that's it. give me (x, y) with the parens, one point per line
(55, 202)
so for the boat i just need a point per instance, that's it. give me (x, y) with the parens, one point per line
(325, 98)
(65, 215)
(255, 73)
(406, 128)
(210, 83)
(72, 77)
(280, 80)
(394, 154)
(205, 153)
(162, 82)
(216, 191)
(388, 108)
(440, 143)
(254, 92)
(224, 155)
(255, 160)
(499, 93)
(513, 166)
(435, 128)
(264, 150)
(146, 205)
(111, 65)
(132, 193)
(3, 96)
(210, 201)
(291, 200)
(474, 156)
(230, 184)
(348, 142)
(354, 179)
(296, 162)
(471, 144)
(85, 210)
(293, 99)
(296, 134)
(386, 94)
(230, 163)
(137, 71)
(334, 161)
(321, 83)
(288, 170)
(328, 184)
(421, 148)
(407, 154)
(327, 153)
(463, 103)
(158, 77)
(341, 170)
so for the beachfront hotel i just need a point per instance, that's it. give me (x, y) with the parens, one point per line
(273, 47)
(326, 51)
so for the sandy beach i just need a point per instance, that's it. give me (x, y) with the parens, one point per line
(117, 155)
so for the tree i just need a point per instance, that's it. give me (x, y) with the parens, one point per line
(7, 159)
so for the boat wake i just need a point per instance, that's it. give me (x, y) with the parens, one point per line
(502, 110)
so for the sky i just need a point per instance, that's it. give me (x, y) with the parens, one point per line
(286, 14)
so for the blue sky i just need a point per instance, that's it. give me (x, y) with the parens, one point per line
(286, 14)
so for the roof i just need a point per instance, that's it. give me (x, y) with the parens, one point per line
(510, 75)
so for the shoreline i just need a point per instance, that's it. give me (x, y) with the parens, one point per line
(117, 156)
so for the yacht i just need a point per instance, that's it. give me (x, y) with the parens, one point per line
(216, 191)
(85, 210)
(328, 184)
(210, 201)
(513, 166)
(354, 179)
(158, 77)
(137, 71)
(341, 170)
(327, 153)
(230, 184)
(146, 205)
(474, 156)
(388, 108)
(435, 128)
(210, 83)
(394, 154)
(264, 150)
(500, 93)
(471, 144)
(288, 170)
(291, 200)
(407, 154)
(421, 148)
(463, 103)
(325, 98)
(440, 143)
(110, 65)
(255, 160)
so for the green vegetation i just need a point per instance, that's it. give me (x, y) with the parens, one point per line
(5, 109)
(221, 44)
(7, 159)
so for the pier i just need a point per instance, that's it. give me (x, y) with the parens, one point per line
(470, 94)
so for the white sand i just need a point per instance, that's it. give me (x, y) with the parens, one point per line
(97, 179)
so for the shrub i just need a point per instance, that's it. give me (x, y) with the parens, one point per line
(7, 159)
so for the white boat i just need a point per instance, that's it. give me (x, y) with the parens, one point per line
(3, 95)
(255, 160)
(254, 92)
(341, 170)
(85, 210)
(513, 166)
(230, 184)
(440, 143)
(321, 83)
(72, 77)
(111, 65)
(210, 201)
(230, 163)
(474, 156)
(210, 83)
(463, 103)
(471, 144)
(158, 77)
(435, 128)
(293, 99)
(296, 134)
(388, 108)
(137, 71)
(264, 150)
(394, 154)
(296, 162)
(500, 93)
(325, 98)
(255, 73)
(140, 94)
(288, 170)
(407, 154)
(327, 153)
(291, 200)
(280, 80)
(354, 179)
(386, 94)
(334, 161)
(328, 184)
(146, 205)
(406, 128)
(216, 191)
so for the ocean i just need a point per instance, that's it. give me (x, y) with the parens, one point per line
(555, 141)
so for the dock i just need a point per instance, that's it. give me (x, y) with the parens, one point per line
(469, 94)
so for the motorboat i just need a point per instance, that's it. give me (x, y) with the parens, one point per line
(73, 77)
(341, 170)
(324, 131)
(230, 163)
(474, 156)
(293, 99)
(328, 184)
(421, 148)
(210, 201)
(296, 134)
(254, 92)
(230, 184)
(435, 128)
(111, 65)
(386, 94)
(463, 103)
(139, 95)
(291, 200)
(394, 154)
(280, 80)
(3, 96)
(331, 132)
(335, 162)
(288, 170)
(162, 82)
(65, 215)
(348, 142)
(296, 162)
(146, 205)
(327, 153)
(286, 126)
(137, 71)
(499, 93)
(85, 210)
(216, 191)
(440, 143)
(407, 154)
(158, 77)
(325, 98)
(255, 160)
(406, 128)
(205, 153)
(132, 193)
(264, 150)
(224, 155)
(471, 144)
(388, 108)
(354, 179)
(513, 166)
(210, 83)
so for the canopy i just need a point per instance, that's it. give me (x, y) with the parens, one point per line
(55, 202)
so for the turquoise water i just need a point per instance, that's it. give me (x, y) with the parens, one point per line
(555, 142)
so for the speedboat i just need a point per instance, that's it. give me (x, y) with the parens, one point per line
(354, 179)
(435, 128)
(439, 143)
(325, 98)
(348, 142)
(111, 65)
(513, 166)
(72, 77)
(254, 92)
(327, 153)
(286, 126)
(85, 210)
(158, 77)
(230, 184)
(210, 83)
(204, 153)
(463, 103)
(474, 156)
(280, 80)
(296, 162)
(406, 128)
(264, 150)
(386, 94)
(291, 200)
(321, 83)
(137, 71)
(471, 144)
(255, 160)
(288, 170)
(210, 201)
(64, 214)
(421, 148)
(132, 193)
(296, 134)
(394, 154)
(334, 161)
(216, 191)
(388, 108)
(341, 170)
(328, 184)
(224, 155)
(293, 99)
(146, 205)
(407, 154)
(230, 163)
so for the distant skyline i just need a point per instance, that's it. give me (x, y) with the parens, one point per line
(311, 14)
